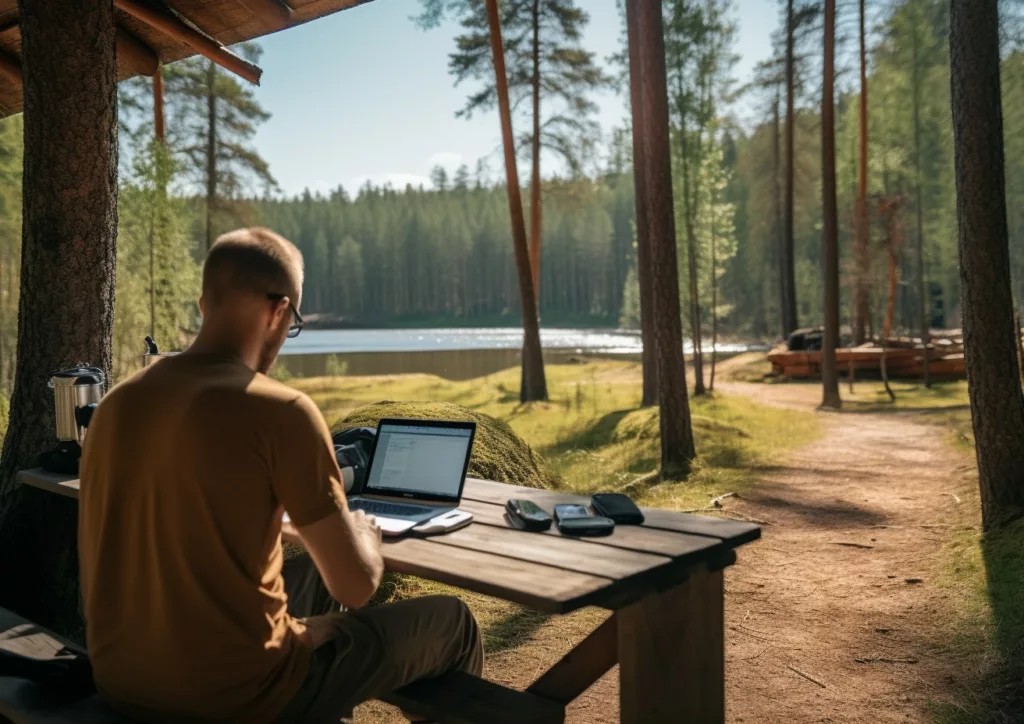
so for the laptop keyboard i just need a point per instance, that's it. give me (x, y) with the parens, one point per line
(382, 507)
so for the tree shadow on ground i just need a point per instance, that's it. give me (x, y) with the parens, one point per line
(856, 408)
(513, 630)
(819, 514)
(590, 434)
(1003, 552)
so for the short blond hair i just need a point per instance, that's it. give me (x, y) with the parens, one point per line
(253, 260)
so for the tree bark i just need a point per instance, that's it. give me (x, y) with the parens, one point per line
(789, 314)
(66, 310)
(861, 312)
(211, 151)
(922, 298)
(689, 211)
(535, 202)
(993, 376)
(677, 449)
(714, 293)
(534, 385)
(830, 250)
(643, 254)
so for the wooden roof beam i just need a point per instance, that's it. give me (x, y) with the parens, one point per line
(173, 26)
(274, 14)
(139, 56)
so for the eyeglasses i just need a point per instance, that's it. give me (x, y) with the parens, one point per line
(298, 324)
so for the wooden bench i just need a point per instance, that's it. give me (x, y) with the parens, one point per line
(452, 699)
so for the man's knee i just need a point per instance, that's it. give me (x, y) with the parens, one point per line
(461, 627)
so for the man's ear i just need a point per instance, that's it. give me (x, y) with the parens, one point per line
(202, 305)
(280, 309)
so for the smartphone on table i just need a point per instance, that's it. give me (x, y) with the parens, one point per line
(527, 515)
(574, 519)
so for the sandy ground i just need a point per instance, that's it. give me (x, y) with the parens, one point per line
(831, 616)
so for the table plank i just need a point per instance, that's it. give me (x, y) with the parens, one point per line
(571, 554)
(542, 587)
(731, 532)
(53, 482)
(629, 537)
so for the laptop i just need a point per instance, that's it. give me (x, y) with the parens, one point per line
(417, 470)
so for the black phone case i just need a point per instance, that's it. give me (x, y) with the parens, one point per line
(591, 525)
(618, 507)
(522, 522)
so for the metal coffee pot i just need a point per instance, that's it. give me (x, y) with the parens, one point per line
(76, 392)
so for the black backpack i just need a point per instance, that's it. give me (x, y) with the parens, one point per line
(353, 448)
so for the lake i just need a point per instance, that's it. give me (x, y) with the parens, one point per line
(455, 354)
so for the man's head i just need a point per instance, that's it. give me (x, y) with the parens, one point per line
(252, 287)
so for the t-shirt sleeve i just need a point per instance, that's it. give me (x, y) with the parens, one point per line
(307, 480)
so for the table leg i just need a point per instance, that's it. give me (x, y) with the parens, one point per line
(577, 670)
(672, 654)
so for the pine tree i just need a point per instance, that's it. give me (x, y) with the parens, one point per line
(214, 118)
(549, 72)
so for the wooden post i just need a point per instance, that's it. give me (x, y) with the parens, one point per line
(66, 309)
(643, 253)
(158, 104)
(677, 449)
(534, 384)
(672, 654)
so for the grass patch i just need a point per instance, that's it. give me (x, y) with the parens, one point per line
(984, 575)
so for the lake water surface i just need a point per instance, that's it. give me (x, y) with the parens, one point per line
(454, 353)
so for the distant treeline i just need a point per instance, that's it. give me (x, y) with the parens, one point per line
(387, 257)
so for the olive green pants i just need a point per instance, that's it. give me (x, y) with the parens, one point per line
(369, 653)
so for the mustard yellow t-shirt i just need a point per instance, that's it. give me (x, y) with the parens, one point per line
(187, 469)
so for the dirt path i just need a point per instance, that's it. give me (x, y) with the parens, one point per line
(845, 571)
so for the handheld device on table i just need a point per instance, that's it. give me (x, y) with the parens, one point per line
(527, 515)
(416, 473)
(577, 520)
(618, 507)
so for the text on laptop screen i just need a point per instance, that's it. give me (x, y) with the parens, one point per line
(419, 459)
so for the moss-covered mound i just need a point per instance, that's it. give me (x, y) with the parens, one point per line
(498, 453)
(644, 425)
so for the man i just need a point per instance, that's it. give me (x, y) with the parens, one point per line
(187, 470)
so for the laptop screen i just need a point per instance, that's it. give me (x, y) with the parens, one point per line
(419, 460)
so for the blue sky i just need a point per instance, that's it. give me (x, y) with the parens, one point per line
(365, 95)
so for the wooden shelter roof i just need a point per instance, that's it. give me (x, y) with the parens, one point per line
(162, 31)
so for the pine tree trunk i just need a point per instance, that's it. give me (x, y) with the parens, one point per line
(997, 405)
(677, 449)
(830, 250)
(714, 293)
(780, 243)
(922, 298)
(211, 150)
(861, 311)
(67, 283)
(535, 202)
(643, 254)
(689, 211)
(789, 314)
(534, 385)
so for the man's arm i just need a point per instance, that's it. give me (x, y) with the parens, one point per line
(346, 550)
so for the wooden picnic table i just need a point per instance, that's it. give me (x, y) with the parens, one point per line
(663, 581)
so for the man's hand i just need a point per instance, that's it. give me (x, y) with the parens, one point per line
(346, 549)
(367, 525)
